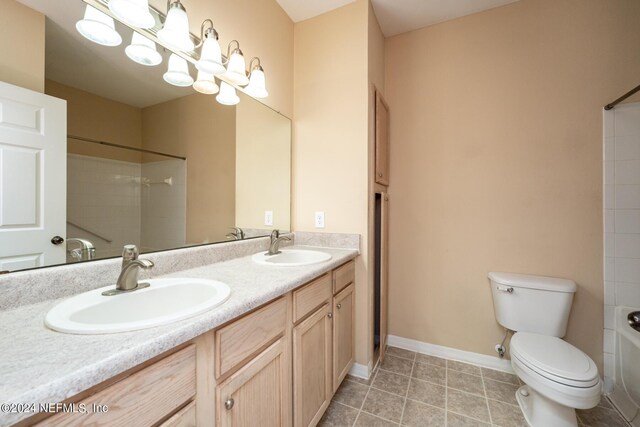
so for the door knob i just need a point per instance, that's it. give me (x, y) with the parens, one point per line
(57, 240)
(228, 404)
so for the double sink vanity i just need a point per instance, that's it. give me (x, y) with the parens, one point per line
(235, 338)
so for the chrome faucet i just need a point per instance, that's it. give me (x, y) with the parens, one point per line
(276, 238)
(238, 233)
(85, 251)
(131, 265)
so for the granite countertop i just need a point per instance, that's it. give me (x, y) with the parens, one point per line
(38, 365)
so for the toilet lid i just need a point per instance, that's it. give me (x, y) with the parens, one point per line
(555, 359)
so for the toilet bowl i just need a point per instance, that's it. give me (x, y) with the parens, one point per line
(558, 378)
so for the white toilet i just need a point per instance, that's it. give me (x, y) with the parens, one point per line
(558, 377)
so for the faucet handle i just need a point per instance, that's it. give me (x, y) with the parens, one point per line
(129, 253)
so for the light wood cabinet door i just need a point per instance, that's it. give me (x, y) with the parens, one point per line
(312, 375)
(343, 334)
(258, 393)
(382, 141)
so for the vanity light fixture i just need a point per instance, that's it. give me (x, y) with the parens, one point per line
(143, 51)
(175, 31)
(178, 72)
(236, 72)
(257, 86)
(227, 95)
(98, 27)
(205, 83)
(133, 12)
(210, 56)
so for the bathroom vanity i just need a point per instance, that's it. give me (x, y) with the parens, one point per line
(275, 351)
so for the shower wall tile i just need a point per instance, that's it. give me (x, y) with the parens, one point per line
(628, 294)
(627, 147)
(103, 196)
(621, 221)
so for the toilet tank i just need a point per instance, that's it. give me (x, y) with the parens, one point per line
(537, 304)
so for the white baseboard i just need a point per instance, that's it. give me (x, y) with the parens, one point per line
(483, 360)
(360, 371)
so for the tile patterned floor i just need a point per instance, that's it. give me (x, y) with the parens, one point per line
(412, 389)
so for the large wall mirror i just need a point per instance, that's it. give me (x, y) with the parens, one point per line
(152, 164)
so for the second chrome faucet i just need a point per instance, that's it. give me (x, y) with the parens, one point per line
(276, 238)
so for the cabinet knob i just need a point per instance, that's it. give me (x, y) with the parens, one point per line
(228, 404)
(339, 306)
(380, 174)
(330, 315)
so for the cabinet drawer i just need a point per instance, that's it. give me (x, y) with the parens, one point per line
(311, 296)
(142, 399)
(185, 417)
(343, 275)
(243, 338)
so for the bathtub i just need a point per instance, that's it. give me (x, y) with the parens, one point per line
(626, 391)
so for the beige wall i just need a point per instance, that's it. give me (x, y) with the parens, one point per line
(263, 166)
(204, 132)
(496, 161)
(21, 62)
(263, 29)
(95, 117)
(330, 147)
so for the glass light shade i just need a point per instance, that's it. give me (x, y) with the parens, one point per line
(143, 51)
(257, 86)
(133, 12)
(205, 83)
(227, 95)
(178, 72)
(236, 73)
(98, 27)
(210, 57)
(175, 32)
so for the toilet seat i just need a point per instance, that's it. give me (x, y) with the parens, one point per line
(532, 356)
(555, 359)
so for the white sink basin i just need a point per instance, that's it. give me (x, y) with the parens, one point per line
(165, 301)
(291, 257)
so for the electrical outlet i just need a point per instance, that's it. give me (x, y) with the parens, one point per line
(268, 217)
(319, 219)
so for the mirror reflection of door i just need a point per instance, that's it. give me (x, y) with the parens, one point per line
(33, 157)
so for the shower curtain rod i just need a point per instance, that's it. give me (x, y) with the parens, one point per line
(622, 98)
(111, 144)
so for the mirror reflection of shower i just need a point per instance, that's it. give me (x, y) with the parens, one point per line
(113, 202)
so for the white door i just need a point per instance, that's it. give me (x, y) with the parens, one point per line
(33, 178)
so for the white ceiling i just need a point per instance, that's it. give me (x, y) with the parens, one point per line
(299, 10)
(72, 60)
(396, 16)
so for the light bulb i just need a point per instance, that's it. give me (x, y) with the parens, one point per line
(236, 72)
(98, 27)
(257, 86)
(210, 56)
(133, 12)
(175, 32)
(143, 51)
(227, 95)
(205, 83)
(178, 72)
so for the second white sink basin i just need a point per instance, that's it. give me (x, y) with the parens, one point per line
(292, 257)
(165, 301)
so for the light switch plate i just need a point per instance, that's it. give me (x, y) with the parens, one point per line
(268, 217)
(319, 219)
